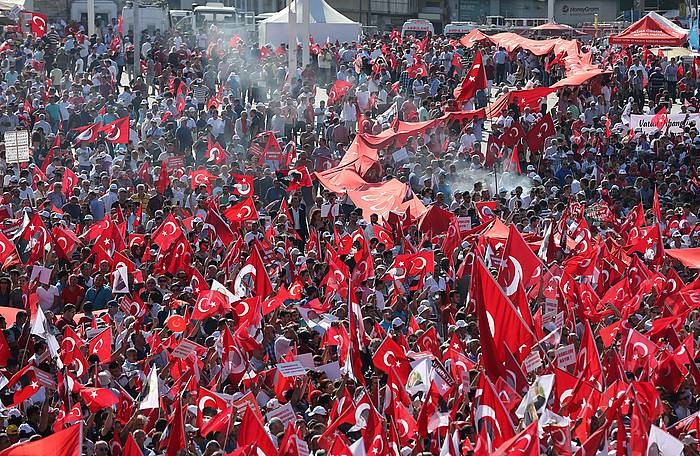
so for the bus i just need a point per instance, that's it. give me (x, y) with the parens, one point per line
(417, 27)
(459, 28)
(229, 20)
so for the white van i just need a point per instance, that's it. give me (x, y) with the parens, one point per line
(459, 28)
(417, 27)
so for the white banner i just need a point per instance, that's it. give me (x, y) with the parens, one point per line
(677, 121)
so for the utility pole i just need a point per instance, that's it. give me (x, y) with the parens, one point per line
(137, 39)
(91, 17)
(550, 10)
(292, 39)
(306, 51)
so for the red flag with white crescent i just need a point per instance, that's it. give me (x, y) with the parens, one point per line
(117, 132)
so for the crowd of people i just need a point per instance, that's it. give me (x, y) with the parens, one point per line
(411, 245)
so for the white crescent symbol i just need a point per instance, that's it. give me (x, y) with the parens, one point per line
(203, 403)
(606, 274)
(238, 283)
(556, 440)
(527, 438)
(39, 21)
(671, 281)
(165, 229)
(404, 425)
(58, 241)
(634, 233)
(243, 188)
(72, 344)
(295, 289)
(544, 127)
(484, 411)
(565, 395)
(566, 288)
(179, 246)
(246, 307)
(492, 325)
(248, 211)
(358, 412)
(512, 288)
(4, 247)
(200, 304)
(381, 444)
(424, 263)
(200, 179)
(98, 345)
(386, 356)
(237, 362)
(586, 263)
(79, 370)
(645, 349)
(86, 135)
(113, 133)
(537, 272)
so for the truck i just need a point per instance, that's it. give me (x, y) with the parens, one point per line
(417, 27)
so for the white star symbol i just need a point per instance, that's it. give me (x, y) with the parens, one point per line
(34, 385)
(93, 394)
(472, 79)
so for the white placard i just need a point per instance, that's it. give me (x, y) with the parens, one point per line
(306, 360)
(550, 306)
(17, 146)
(559, 320)
(400, 155)
(186, 348)
(677, 122)
(332, 370)
(465, 223)
(291, 369)
(532, 361)
(285, 414)
(40, 273)
(566, 356)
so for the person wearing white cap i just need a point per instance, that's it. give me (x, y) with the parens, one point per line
(111, 197)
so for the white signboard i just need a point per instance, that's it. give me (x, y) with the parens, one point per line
(677, 122)
(17, 146)
(291, 369)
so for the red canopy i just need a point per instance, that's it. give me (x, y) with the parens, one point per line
(653, 30)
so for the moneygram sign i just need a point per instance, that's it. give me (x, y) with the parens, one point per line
(575, 12)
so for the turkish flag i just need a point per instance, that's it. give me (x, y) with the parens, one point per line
(299, 177)
(484, 210)
(215, 153)
(202, 177)
(260, 284)
(520, 265)
(527, 443)
(660, 119)
(37, 24)
(474, 80)
(102, 346)
(243, 185)
(513, 135)
(166, 233)
(69, 181)
(415, 264)
(7, 249)
(252, 432)
(117, 132)
(97, 399)
(88, 133)
(67, 442)
(163, 179)
(73, 416)
(540, 131)
(390, 356)
(221, 228)
(245, 210)
(338, 91)
(492, 409)
(209, 302)
(207, 399)
(176, 431)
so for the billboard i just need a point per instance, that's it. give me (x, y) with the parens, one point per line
(573, 12)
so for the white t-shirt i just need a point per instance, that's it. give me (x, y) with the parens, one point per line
(46, 297)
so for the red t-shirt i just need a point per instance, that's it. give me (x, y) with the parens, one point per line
(72, 297)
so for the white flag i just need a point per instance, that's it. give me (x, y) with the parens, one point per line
(152, 399)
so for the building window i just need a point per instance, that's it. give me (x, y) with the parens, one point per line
(389, 6)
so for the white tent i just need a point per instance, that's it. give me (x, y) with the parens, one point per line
(325, 23)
